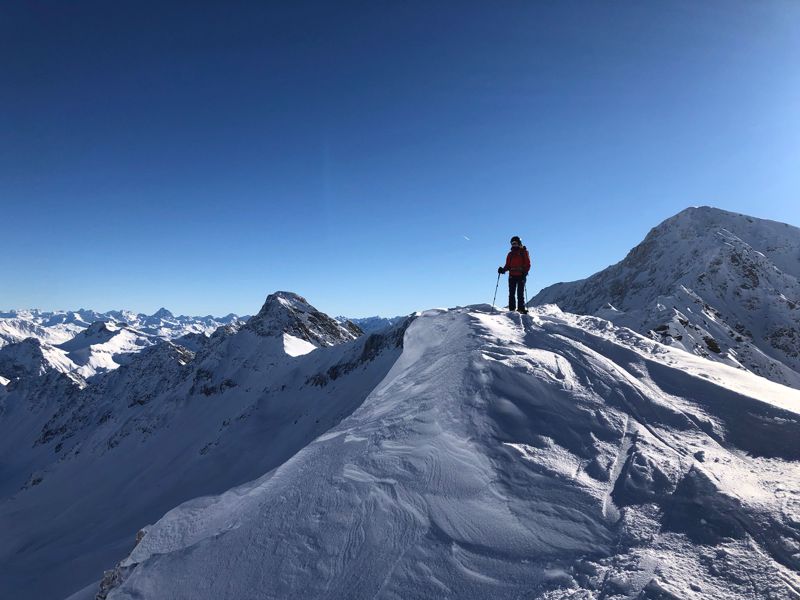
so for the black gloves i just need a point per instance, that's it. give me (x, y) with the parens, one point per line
(501, 270)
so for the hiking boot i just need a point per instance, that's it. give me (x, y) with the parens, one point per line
(523, 311)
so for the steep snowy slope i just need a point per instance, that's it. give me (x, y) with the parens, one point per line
(719, 284)
(39, 380)
(30, 358)
(79, 475)
(546, 456)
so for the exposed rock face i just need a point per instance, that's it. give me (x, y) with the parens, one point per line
(285, 312)
(719, 284)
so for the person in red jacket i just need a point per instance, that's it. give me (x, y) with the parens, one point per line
(518, 263)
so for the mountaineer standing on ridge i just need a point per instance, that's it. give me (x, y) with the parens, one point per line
(518, 263)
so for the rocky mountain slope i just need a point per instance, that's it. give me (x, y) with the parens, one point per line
(721, 285)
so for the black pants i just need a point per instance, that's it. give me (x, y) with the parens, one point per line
(516, 283)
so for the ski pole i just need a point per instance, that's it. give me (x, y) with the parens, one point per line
(495, 291)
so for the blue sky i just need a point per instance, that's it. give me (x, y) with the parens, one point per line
(200, 155)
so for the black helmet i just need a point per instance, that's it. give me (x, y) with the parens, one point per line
(516, 239)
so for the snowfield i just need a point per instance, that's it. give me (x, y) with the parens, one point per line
(507, 456)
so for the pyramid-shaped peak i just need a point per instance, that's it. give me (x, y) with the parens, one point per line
(163, 313)
(289, 313)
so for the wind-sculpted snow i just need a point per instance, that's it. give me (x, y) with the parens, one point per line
(501, 456)
(721, 285)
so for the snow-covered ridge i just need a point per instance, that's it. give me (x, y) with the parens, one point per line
(549, 456)
(718, 284)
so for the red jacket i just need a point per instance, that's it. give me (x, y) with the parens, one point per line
(518, 262)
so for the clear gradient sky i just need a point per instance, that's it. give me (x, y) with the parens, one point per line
(374, 156)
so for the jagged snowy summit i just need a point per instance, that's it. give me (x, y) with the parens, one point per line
(719, 284)
(287, 314)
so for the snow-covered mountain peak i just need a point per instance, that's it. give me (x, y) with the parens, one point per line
(289, 313)
(163, 313)
(96, 333)
(102, 346)
(716, 283)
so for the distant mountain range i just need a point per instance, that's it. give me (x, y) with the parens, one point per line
(86, 342)
(60, 326)
(372, 324)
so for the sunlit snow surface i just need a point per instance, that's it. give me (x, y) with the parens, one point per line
(502, 456)
(294, 346)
